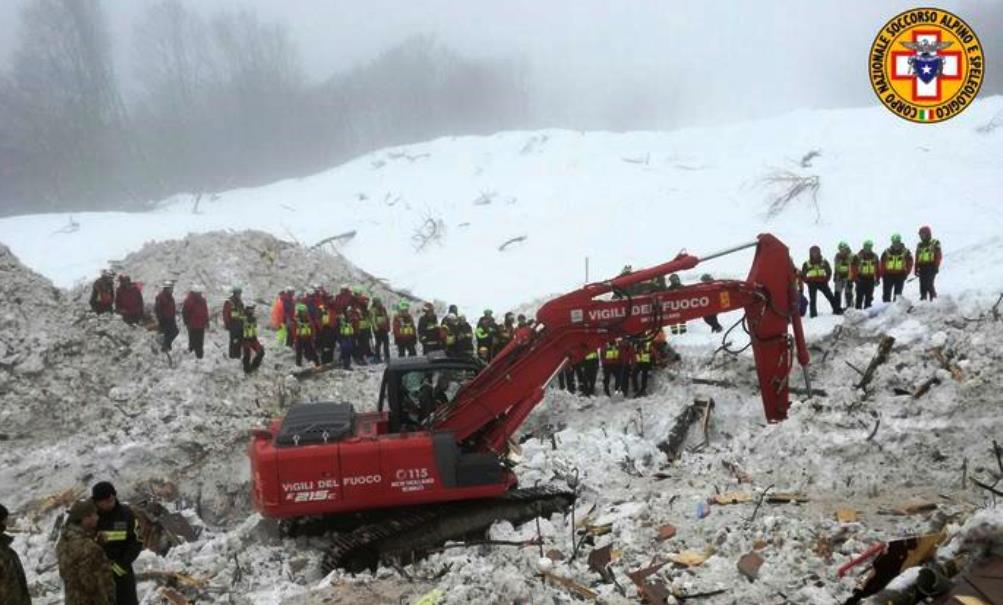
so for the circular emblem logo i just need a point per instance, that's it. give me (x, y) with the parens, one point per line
(926, 65)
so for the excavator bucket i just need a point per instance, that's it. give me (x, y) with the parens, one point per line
(768, 319)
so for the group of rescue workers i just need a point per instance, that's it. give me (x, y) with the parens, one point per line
(98, 543)
(320, 326)
(863, 271)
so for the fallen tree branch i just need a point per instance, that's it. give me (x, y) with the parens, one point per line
(759, 503)
(509, 242)
(986, 487)
(874, 431)
(334, 238)
(884, 347)
(677, 434)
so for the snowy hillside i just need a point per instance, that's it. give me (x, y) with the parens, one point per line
(615, 198)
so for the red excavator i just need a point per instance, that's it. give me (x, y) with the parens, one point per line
(432, 463)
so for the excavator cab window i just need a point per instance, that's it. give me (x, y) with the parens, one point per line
(424, 392)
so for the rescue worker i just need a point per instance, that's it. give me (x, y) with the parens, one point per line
(327, 338)
(165, 310)
(405, 332)
(286, 316)
(120, 538)
(842, 265)
(249, 342)
(612, 367)
(520, 321)
(363, 330)
(866, 273)
(674, 284)
(928, 257)
(505, 333)
(485, 335)
(129, 301)
(343, 300)
(303, 331)
(588, 372)
(195, 314)
(428, 330)
(380, 321)
(896, 265)
(816, 272)
(85, 569)
(710, 320)
(103, 293)
(464, 336)
(346, 338)
(448, 332)
(233, 321)
(13, 585)
(566, 379)
(642, 366)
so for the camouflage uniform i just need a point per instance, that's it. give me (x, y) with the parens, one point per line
(13, 587)
(85, 569)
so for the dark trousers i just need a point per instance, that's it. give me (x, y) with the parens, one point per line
(618, 373)
(345, 346)
(865, 292)
(196, 341)
(125, 589)
(428, 347)
(169, 328)
(305, 348)
(325, 344)
(250, 364)
(641, 371)
(363, 345)
(566, 379)
(844, 292)
(382, 345)
(927, 273)
(406, 348)
(891, 289)
(590, 372)
(715, 325)
(813, 290)
(236, 336)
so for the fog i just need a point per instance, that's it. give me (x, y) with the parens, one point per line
(586, 65)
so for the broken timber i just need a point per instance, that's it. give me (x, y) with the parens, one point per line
(677, 435)
(884, 347)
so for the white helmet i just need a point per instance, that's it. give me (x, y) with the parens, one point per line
(197, 288)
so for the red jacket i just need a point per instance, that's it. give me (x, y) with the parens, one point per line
(405, 319)
(304, 322)
(164, 307)
(896, 263)
(926, 250)
(195, 312)
(380, 320)
(232, 311)
(129, 300)
(343, 300)
(816, 272)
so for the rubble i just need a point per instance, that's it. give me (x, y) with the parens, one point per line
(84, 398)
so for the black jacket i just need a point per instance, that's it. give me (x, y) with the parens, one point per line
(122, 540)
(13, 586)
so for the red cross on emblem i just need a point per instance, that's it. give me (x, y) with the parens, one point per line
(902, 69)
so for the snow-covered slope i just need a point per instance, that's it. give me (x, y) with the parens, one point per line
(633, 198)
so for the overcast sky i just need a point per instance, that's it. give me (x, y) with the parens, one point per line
(679, 61)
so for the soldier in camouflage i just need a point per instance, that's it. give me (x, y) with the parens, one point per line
(13, 586)
(86, 571)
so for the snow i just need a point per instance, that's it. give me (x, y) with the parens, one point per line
(84, 397)
(574, 195)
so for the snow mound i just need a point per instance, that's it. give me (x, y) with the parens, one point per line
(494, 221)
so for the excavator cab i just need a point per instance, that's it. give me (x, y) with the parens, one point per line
(415, 388)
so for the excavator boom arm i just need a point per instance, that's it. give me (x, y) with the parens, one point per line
(488, 410)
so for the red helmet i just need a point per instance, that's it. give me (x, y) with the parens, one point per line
(815, 250)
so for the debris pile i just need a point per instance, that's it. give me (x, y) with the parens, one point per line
(686, 495)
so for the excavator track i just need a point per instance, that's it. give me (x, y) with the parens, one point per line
(417, 529)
